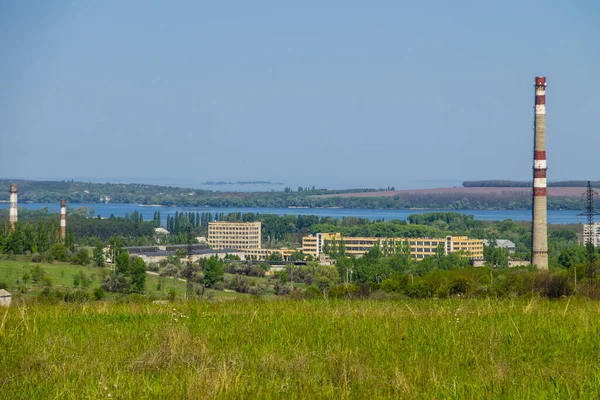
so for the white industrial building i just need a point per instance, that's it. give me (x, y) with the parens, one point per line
(593, 233)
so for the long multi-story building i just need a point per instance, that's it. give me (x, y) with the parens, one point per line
(420, 248)
(264, 254)
(592, 233)
(234, 235)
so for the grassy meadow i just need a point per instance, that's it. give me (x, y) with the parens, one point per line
(61, 277)
(252, 348)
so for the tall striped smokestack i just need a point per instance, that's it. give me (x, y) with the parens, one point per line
(14, 209)
(539, 251)
(63, 219)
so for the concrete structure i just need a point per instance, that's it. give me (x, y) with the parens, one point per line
(591, 233)
(234, 235)
(263, 254)
(503, 244)
(156, 255)
(5, 298)
(14, 209)
(63, 219)
(539, 250)
(419, 247)
(511, 263)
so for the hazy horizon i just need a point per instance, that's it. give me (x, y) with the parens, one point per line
(339, 95)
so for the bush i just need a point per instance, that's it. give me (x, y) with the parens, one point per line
(171, 295)
(282, 290)
(46, 281)
(460, 285)
(170, 270)
(558, 285)
(59, 252)
(239, 283)
(99, 294)
(255, 290)
(76, 296)
(396, 283)
(37, 273)
(82, 257)
(3, 285)
(313, 292)
(153, 267)
(116, 282)
(416, 290)
(350, 291)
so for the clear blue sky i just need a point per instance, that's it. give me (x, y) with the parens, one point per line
(344, 94)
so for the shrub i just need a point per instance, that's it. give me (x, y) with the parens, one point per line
(558, 286)
(460, 285)
(170, 270)
(239, 283)
(255, 290)
(313, 292)
(282, 290)
(171, 295)
(153, 267)
(3, 285)
(59, 252)
(416, 290)
(396, 283)
(82, 257)
(76, 296)
(37, 273)
(99, 294)
(340, 291)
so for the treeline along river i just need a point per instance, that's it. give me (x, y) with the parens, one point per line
(119, 210)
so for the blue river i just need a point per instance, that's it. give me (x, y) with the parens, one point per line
(119, 210)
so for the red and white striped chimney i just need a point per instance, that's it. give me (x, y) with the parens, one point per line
(539, 251)
(14, 208)
(63, 219)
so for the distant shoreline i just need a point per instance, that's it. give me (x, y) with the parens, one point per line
(267, 183)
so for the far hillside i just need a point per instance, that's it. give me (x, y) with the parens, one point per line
(505, 183)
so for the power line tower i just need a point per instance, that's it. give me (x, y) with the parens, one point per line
(589, 213)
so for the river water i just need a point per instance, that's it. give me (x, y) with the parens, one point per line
(119, 210)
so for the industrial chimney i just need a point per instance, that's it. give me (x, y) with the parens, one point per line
(63, 219)
(539, 251)
(13, 216)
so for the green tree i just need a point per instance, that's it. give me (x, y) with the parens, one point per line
(98, 254)
(138, 275)
(213, 271)
(122, 263)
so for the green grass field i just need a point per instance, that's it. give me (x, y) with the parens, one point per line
(62, 274)
(457, 348)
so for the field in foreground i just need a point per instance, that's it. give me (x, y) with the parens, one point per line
(303, 349)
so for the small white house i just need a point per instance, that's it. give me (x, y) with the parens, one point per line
(5, 298)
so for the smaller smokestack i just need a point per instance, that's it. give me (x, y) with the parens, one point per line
(63, 219)
(14, 209)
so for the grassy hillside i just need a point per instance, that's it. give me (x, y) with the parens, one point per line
(62, 274)
(303, 349)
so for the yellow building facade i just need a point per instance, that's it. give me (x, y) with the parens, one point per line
(419, 247)
(234, 235)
